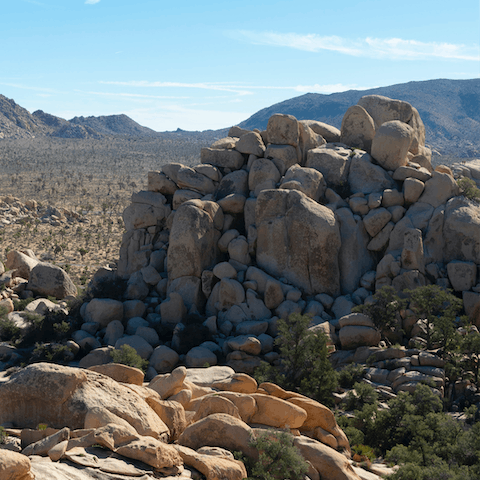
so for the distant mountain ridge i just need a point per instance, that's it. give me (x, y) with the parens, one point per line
(450, 110)
(114, 125)
(17, 122)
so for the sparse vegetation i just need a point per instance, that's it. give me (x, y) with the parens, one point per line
(9, 331)
(127, 355)
(194, 333)
(383, 310)
(415, 433)
(278, 458)
(469, 189)
(439, 308)
(304, 364)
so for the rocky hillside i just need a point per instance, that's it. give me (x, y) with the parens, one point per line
(17, 122)
(114, 125)
(449, 110)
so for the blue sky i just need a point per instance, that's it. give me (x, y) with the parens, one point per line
(211, 64)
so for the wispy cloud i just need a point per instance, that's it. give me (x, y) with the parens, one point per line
(331, 88)
(28, 87)
(133, 95)
(222, 87)
(91, 2)
(243, 89)
(391, 48)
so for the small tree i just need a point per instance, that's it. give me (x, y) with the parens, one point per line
(470, 345)
(383, 309)
(278, 458)
(439, 308)
(468, 188)
(304, 364)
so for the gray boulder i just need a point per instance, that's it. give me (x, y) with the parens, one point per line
(298, 239)
(49, 280)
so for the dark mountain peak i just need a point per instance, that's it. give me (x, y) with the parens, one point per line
(448, 108)
(48, 119)
(119, 124)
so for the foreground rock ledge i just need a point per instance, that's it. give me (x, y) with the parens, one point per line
(87, 409)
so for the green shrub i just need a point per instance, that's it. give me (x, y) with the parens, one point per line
(113, 288)
(364, 451)
(9, 331)
(3, 435)
(363, 394)
(127, 355)
(193, 334)
(278, 458)
(350, 375)
(354, 435)
(304, 364)
(439, 307)
(53, 325)
(51, 352)
(468, 188)
(383, 309)
(19, 305)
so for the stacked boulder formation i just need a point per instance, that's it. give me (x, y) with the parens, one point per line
(299, 218)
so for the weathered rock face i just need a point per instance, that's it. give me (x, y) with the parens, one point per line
(283, 130)
(193, 239)
(358, 128)
(230, 433)
(62, 396)
(15, 466)
(333, 465)
(21, 263)
(354, 259)
(384, 109)
(50, 280)
(366, 177)
(332, 161)
(147, 209)
(306, 180)
(294, 236)
(391, 143)
(461, 231)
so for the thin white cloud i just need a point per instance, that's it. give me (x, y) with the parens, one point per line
(28, 87)
(391, 48)
(327, 89)
(91, 2)
(222, 87)
(133, 95)
(241, 90)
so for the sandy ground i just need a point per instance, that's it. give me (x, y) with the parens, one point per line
(80, 245)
